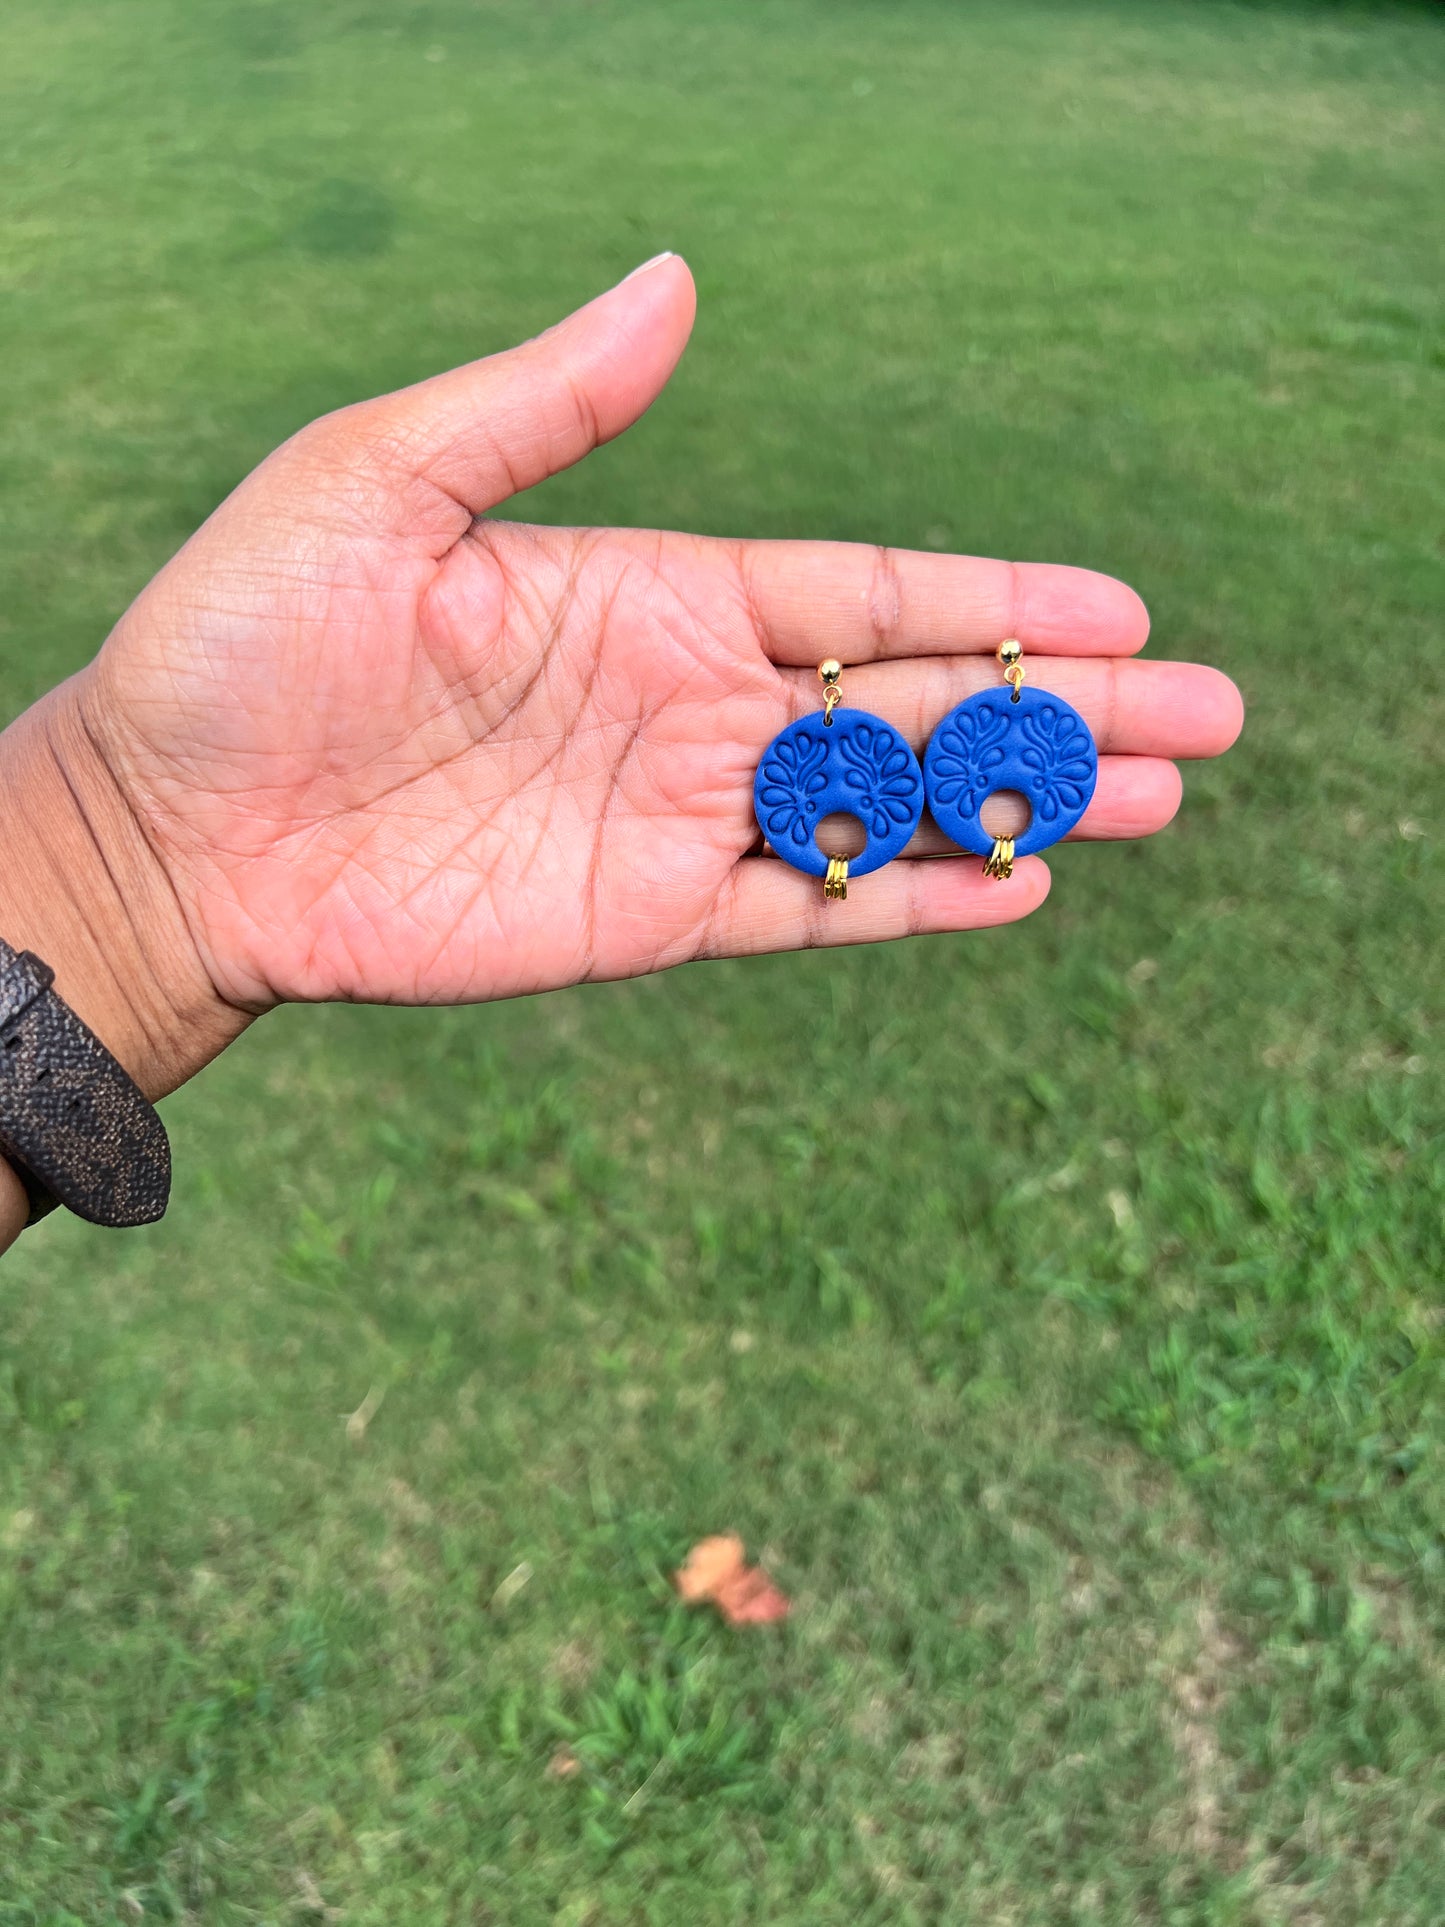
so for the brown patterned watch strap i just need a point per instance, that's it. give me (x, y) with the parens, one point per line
(77, 1129)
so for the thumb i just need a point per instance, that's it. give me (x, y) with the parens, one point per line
(486, 431)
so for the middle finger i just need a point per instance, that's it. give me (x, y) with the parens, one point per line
(1173, 709)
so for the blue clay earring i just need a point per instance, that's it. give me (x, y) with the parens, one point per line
(846, 761)
(1028, 741)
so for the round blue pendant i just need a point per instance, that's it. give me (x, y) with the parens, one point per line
(1039, 746)
(856, 765)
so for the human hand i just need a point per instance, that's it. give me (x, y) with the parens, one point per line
(358, 740)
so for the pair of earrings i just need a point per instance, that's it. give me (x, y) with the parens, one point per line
(856, 764)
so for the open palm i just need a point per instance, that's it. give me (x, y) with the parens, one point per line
(388, 748)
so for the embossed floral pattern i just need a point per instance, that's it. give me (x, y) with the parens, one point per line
(971, 745)
(1057, 756)
(793, 777)
(881, 774)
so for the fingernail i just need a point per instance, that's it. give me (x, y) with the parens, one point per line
(666, 255)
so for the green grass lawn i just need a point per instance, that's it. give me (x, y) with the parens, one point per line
(1059, 1312)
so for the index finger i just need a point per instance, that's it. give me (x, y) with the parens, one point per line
(863, 603)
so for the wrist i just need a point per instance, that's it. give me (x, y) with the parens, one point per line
(83, 889)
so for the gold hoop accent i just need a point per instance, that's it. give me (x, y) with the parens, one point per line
(1000, 862)
(835, 883)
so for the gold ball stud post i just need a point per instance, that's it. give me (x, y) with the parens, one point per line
(1010, 654)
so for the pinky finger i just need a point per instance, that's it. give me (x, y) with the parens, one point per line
(766, 905)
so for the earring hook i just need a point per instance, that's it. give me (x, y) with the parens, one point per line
(1010, 654)
(830, 674)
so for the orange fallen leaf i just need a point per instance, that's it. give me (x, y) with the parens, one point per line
(710, 1564)
(716, 1572)
(752, 1599)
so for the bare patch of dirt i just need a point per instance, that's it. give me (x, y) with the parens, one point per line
(1199, 1692)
